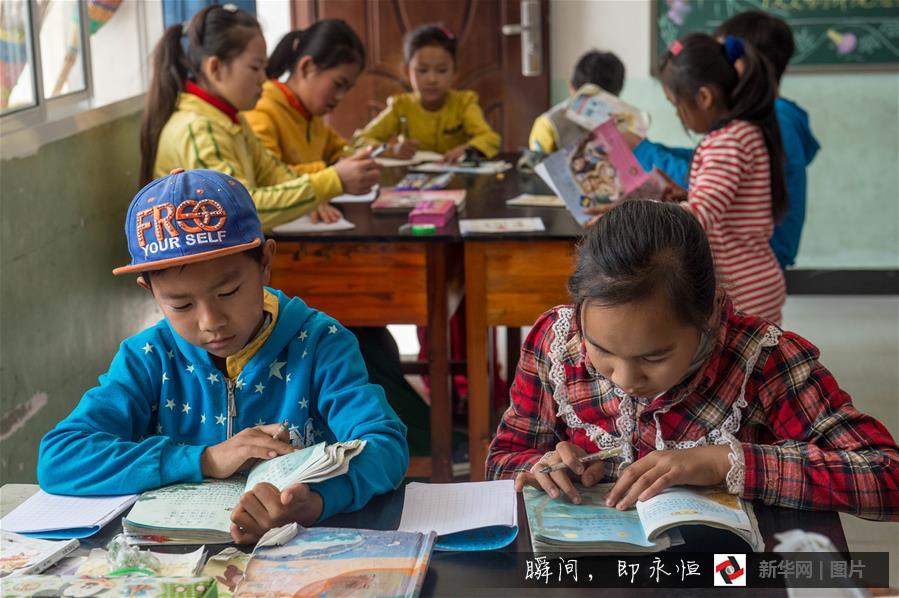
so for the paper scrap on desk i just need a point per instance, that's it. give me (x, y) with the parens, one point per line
(304, 225)
(451, 508)
(364, 198)
(419, 157)
(45, 512)
(492, 167)
(500, 225)
(537, 201)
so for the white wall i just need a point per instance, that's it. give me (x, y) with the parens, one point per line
(274, 16)
(853, 191)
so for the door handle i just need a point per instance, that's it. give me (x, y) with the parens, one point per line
(531, 31)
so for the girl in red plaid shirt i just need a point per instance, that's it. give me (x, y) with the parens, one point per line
(653, 360)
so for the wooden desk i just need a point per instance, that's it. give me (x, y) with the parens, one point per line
(484, 573)
(509, 281)
(374, 275)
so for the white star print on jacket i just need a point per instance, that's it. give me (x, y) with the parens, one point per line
(111, 444)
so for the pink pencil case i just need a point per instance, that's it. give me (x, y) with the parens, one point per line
(433, 211)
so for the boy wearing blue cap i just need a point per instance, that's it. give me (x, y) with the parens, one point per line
(201, 393)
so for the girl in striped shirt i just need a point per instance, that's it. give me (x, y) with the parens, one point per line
(737, 189)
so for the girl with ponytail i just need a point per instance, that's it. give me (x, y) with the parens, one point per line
(737, 190)
(322, 64)
(191, 119)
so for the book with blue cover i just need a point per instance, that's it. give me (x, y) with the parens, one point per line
(558, 525)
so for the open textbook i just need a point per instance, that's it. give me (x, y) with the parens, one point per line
(558, 525)
(600, 168)
(196, 513)
(327, 561)
(591, 106)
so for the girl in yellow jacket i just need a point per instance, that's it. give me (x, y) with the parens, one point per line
(433, 117)
(191, 119)
(323, 63)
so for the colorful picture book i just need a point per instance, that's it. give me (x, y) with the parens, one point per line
(325, 561)
(599, 169)
(557, 525)
(591, 106)
(198, 513)
(21, 555)
(394, 200)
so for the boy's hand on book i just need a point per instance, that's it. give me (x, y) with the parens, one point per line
(242, 450)
(646, 477)
(631, 139)
(558, 482)
(358, 173)
(264, 508)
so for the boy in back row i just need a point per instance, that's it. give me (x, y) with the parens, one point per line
(203, 392)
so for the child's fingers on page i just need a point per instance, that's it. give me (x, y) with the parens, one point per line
(244, 535)
(570, 455)
(564, 482)
(627, 478)
(640, 484)
(547, 484)
(593, 473)
(525, 478)
(256, 510)
(666, 480)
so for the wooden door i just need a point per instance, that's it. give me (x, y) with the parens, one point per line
(488, 62)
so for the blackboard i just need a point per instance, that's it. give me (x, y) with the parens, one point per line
(829, 34)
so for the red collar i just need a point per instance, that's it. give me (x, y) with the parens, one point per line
(292, 99)
(229, 110)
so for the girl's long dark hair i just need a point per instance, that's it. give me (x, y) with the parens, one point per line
(642, 247)
(213, 31)
(749, 96)
(330, 43)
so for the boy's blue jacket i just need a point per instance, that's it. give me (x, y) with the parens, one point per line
(163, 401)
(800, 148)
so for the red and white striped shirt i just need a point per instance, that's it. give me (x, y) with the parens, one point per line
(730, 195)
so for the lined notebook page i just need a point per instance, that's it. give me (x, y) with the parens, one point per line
(43, 512)
(451, 508)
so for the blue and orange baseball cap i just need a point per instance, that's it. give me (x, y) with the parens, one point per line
(189, 216)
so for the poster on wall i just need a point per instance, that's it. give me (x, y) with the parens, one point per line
(831, 35)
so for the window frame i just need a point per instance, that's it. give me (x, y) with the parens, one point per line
(25, 129)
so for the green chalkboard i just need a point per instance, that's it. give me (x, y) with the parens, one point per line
(829, 34)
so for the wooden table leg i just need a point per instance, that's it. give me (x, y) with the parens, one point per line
(479, 432)
(439, 371)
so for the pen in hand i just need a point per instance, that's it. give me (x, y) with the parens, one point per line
(612, 452)
(285, 425)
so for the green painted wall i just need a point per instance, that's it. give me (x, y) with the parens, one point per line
(62, 314)
(853, 200)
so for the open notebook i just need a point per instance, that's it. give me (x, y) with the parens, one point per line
(465, 516)
(196, 513)
(558, 525)
(57, 517)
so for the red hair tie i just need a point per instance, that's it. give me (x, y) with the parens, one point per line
(676, 47)
(445, 30)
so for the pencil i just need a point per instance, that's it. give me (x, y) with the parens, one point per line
(285, 425)
(612, 452)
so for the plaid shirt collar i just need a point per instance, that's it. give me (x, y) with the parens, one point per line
(575, 355)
